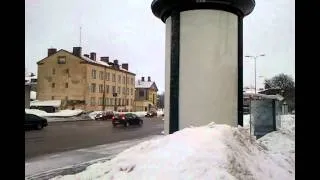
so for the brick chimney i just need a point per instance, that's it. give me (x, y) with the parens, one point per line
(93, 56)
(86, 55)
(77, 51)
(125, 66)
(142, 78)
(116, 62)
(51, 51)
(149, 78)
(105, 59)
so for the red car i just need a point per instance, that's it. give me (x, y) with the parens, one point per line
(104, 116)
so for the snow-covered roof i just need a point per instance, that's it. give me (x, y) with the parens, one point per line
(54, 103)
(99, 62)
(29, 78)
(264, 96)
(143, 84)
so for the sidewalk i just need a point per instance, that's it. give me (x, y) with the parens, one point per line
(70, 162)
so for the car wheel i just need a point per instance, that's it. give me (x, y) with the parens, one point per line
(39, 126)
(127, 124)
(140, 123)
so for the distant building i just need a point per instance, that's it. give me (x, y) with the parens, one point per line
(84, 82)
(30, 85)
(145, 95)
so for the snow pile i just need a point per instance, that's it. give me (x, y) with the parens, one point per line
(207, 152)
(281, 144)
(140, 113)
(62, 113)
(33, 95)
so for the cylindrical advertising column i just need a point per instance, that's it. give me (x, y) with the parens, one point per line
(203, 61)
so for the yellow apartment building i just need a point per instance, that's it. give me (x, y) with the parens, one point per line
(145, 95)
(83, 81)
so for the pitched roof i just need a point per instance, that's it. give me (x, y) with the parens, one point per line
(97, 62)
(145, 84)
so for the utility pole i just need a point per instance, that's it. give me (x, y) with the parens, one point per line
(255, 70)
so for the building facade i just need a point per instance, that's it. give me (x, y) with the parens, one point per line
(145, 95)
(82, 81)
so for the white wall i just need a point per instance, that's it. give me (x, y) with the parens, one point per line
(208, 68)
(167, 75)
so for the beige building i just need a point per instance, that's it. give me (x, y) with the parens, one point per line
(145, 95)
(83, 81)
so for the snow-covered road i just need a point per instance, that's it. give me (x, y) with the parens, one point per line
(70, 162)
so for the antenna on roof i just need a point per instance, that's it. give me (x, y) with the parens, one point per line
(80, 37)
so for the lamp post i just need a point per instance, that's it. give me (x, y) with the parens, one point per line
(255, 70)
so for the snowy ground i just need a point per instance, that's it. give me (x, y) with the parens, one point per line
(62, 113)
(68, 162)
(207, 152)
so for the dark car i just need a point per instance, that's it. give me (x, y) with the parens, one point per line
(104, 115)
(126, 120)
(151, 114)
(34, 121)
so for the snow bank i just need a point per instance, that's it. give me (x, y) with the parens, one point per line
(208, 152)
(62, 113)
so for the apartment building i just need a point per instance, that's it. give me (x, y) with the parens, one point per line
(83, 81)
(145, 95)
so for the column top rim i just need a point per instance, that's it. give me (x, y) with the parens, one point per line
(163, 8)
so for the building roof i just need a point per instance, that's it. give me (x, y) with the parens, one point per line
(97, 62)
(54, 103)
(145, 84)
(263, 96)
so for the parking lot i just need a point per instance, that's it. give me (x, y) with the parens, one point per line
(64, 136)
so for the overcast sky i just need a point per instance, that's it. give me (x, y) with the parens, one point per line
(127, 30)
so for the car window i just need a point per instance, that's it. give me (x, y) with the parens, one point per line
(134, 116)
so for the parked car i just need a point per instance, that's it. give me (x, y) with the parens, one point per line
(104, 115)
(34, 121)
(151, 114)
(126, 120)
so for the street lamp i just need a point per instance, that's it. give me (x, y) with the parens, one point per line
(255, 70)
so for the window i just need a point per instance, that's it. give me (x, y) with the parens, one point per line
(107, 76)
(106, 101)
(53, 85)
(101, 75)
(94, 74)
(132, 82)
(131, 91)
(123, 90)
(93, 101)
(113, 89)
(118, 90)
(52, 97)
(67, 71)
(53, 71)
(100, 102)
(115, 101)
(113, 78)
(123, 102)
(61, 60)
(127, 102)
(119, 78)
(107, 89)
(119, 102)
(93, 87)
(127, 80)
(127, 91)
(100, 88)
(111, 101)
(141, 93)
(66, 85)
(123, 80)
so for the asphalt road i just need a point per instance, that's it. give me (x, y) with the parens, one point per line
(65, 136)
